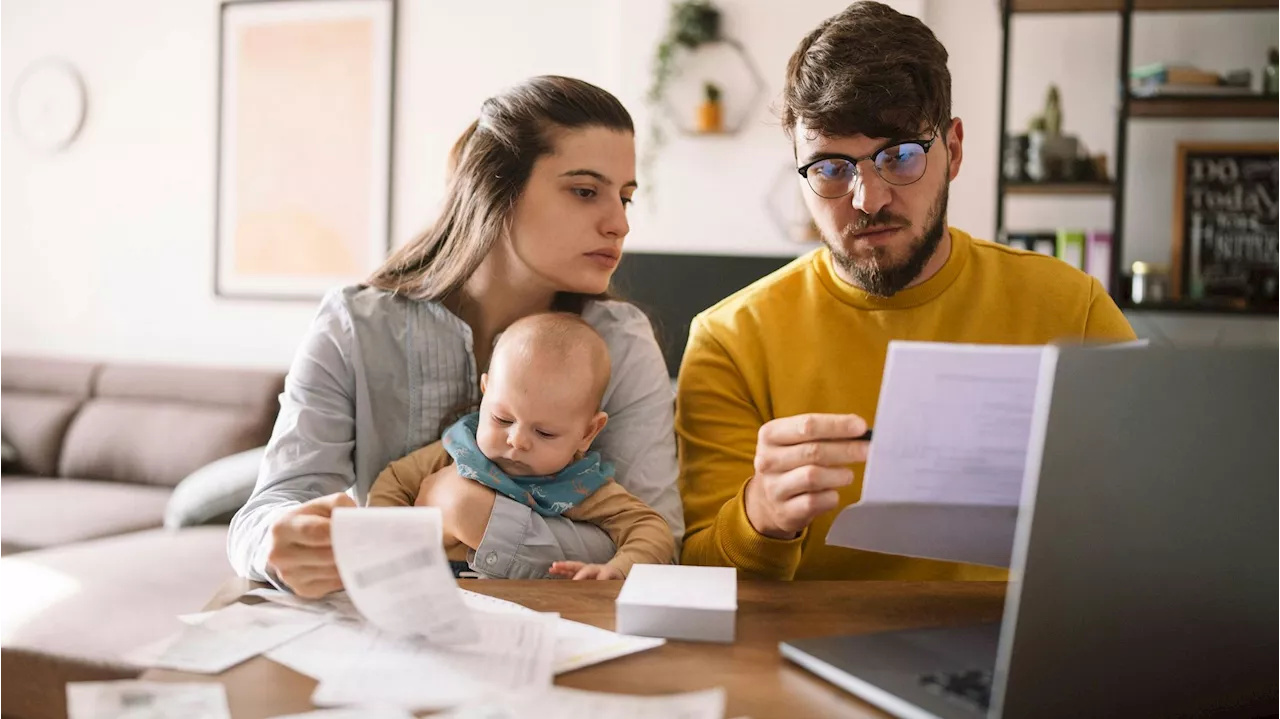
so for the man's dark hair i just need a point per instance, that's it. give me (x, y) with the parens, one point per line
(869, 70)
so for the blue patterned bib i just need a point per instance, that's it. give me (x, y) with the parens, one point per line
(549, 496)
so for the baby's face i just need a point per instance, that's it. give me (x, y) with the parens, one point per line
(533, 423)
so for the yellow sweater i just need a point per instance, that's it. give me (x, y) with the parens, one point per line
(803, 340)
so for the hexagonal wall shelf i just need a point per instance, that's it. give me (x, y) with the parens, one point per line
(725, 63)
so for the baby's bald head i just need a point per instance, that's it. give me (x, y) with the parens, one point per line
(542, 394)
(559, 347)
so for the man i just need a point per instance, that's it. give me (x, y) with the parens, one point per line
(779, 379)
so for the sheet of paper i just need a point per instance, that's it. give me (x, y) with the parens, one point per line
(359, 665)
(577, 645)
(485, 603)
(564, 703)
(195, 617)
(366, 712)
(388, 670)
(227, 637)
(394, 568)
(581, 645)
(146, 700)
(321, 653)
(952, 425)
(515, 650)
(337, 604)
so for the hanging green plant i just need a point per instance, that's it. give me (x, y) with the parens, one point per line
(692, 23)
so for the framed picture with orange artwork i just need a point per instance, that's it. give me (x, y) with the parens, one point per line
(306, 92)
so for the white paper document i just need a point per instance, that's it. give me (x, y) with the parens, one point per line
(564, 703)
(336, 605)
(367, 712)
(945, 470)
(224, 638)
(393, 565)
(953, 424)
(577, 645)
(581, 645)
(146, 700)
(485, 603)
(364, 665)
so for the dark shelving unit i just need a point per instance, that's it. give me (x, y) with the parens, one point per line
(1241, 107)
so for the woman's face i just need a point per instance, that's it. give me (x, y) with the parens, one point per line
(570, 221)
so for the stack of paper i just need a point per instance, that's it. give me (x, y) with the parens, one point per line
(679, 602)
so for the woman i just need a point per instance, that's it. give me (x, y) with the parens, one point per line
(533, 219)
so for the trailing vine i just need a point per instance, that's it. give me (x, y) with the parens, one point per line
(692, 23)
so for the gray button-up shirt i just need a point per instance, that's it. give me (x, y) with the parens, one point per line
(374, 379)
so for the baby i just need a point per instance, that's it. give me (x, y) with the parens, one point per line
(538, 416)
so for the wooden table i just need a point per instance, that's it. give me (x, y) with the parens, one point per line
(759, 682)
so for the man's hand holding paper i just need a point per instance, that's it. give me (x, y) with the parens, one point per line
(800, 463)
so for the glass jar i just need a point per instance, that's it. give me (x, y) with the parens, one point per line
(1150, 283)
(1271, 73)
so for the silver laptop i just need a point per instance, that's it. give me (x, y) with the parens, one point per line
(1144, 573)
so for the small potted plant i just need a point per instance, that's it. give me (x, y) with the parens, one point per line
(710, 112)
(691, 24)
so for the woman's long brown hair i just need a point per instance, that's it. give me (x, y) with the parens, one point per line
(488, 169)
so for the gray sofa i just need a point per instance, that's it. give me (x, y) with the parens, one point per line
(113, 510)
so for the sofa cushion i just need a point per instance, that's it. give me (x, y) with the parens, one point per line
(74, 611)
(249, 389)
(35, 424)
(214, 492)
(129, 440)
(36, 513)
(45, 375)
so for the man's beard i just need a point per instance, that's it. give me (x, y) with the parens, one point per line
(875, 271)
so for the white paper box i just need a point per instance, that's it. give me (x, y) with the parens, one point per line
(679, 602)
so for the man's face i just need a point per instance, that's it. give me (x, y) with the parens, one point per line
(883, 236)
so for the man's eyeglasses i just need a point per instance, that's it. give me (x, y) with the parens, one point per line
(899, 164)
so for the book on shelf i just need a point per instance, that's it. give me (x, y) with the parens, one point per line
(1097, 258)
(1085, 250)
(1044, 242)
(1148, 90)
(1070, 247)
(1162, 73)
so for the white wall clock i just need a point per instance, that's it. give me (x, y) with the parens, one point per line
(49, 105)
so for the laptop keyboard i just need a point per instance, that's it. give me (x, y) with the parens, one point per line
(973, 686)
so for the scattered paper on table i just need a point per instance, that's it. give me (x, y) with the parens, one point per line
(578, 645)
(195, 617)
(515, 651)
(323, 652)
(227, 637)
(563, 703)
(337, 605)
(581, 645)
(368, 712)
(392, 563)
(146, 700)
(485, 603)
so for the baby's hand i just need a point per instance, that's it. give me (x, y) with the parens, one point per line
(578, 570)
